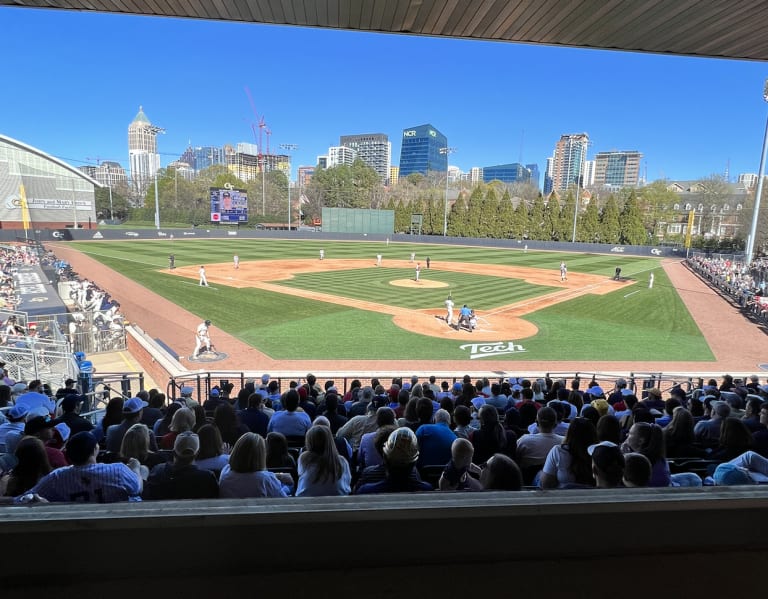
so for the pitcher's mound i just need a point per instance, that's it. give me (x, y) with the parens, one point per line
(425, 283)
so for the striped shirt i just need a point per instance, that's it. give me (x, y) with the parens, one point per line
(90, 483)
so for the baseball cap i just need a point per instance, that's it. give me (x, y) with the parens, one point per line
(214, 392)
(186, 444)
(265, 378)
(187, 390)
(63, 430)
(134, 405)
(80, 447)
(654, 392)
(18, 412)
(69, 403)
(457, 386)
(37, 424)
(597, 390)
(730, 474)
(401, 447)
(591, 449)
(69, 381)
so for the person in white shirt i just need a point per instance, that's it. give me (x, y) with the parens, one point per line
(202, 338)
(203, 280)
(449, 309)
(532, 449)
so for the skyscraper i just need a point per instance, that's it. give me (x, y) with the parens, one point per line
(568, 161)
(420, 152)
(372, 148)
(338, 155)
(534, 168)
(618, 169)
(507, 173)
(142, 151)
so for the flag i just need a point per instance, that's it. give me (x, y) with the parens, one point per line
(24, 208)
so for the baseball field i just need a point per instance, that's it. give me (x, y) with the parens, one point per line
(288, 304)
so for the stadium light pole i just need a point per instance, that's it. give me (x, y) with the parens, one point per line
(154, 129)
(289, 148)
(750, 249)
(446, 152)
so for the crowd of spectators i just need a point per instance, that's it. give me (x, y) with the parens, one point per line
(744, 283)
(407, 436)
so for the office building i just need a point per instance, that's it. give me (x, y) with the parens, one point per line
(420, 151)
(475, 175)
(568, 161)
(142, 152)
(534, 170)
(304, 175)
(394, 175)
(617, 169)
(507, 173)
(374, 149)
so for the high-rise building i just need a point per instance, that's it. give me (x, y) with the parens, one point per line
(110, 174)
(304, 175)
(475, 175)
(507, 173)
(338, 155)
(568, 161)
(142, 151)
(534, 169)
(202, 157)
(617, 169)
(589, 173)
(372, 148)
(748, 180)
(394, 175)
(454, 174)
(548, 174)
(420, 151)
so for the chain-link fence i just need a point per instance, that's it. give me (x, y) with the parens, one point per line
(34, 359)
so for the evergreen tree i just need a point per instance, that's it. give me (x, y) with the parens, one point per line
(506, 217)
(589, 224)
(536, 224)
(610, 230)
(632, 230)
(551, 219)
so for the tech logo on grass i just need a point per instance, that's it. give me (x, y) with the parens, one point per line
(497, 348)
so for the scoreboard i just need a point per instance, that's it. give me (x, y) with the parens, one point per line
(229, 205)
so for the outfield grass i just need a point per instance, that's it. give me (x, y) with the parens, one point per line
(630, 324)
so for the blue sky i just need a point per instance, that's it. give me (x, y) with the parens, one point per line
(74, 81)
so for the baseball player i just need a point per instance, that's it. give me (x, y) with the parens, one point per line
(413, 256)
(563, 272)
(650, 281)
(171, 262)
(418, 271)
(322, 254)
(449, 309)
(202, 338)
(203, 280)
(236, 260)
(378, 259)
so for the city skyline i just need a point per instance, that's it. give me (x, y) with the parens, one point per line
(496, 103)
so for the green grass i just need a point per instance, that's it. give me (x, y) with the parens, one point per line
(630, 324)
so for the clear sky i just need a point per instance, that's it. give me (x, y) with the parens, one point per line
(72, 83)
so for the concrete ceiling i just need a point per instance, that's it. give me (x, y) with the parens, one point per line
(711, 28)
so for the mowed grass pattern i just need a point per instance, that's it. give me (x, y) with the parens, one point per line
(630, 324)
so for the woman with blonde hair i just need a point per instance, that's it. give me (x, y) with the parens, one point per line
(135, 444)
(246, 474)
(322, 471)
(183, 421)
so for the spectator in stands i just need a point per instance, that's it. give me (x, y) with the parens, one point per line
(708, 431)
(254, 417)
(653, 400)
(360, 407)
(400, 451)
(533, 449)
(462, 416)
(637, 470)
(70, 407)
(492, 437)
(322, 471)
(752, 413)
(669, 408)
(68, 389)
(88, 481)
(679, 439)
(367, 454)
(246, 474)
(759, 438)
(12, 431)
(181, 479)
(456, 474)
(434, 439)
(161, 427)
(570, 464)
(354, 429)
(183, 420)
(32, 465)
(5, 395)
(648, 439)
(607, 464)
(335, 419)
(42, 428)
(497, 399)
(617, 395)
(609, 429)
(306, 403)
(136, 445)
(735, 439)
(590, 413)
(132, 409)
(154, 411)
(229, 426)
(727, 384)
(213, 454)
(113, 414)
(501, 473)
(290, 422)
(35, 398)
(278, 455)
(214, 401)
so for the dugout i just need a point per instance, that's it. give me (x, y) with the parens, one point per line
(357, 220)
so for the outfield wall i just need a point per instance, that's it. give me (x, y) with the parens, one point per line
(224, 232)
